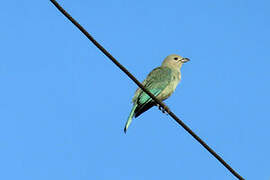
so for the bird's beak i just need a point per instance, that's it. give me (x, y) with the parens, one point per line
(184, 60)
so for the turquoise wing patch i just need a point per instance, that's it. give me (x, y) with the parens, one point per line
(155, 82)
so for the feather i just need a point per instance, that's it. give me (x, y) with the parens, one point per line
(130, 118)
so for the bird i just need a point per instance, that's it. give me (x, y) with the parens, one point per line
(161, 82)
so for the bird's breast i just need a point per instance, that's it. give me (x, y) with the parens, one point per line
(175, 80)
(167, 92)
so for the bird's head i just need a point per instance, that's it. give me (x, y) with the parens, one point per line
(174, 61)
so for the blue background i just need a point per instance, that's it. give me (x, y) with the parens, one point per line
(63, 104)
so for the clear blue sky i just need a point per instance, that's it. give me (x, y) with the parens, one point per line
(63, 104)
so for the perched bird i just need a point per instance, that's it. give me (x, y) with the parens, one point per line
(161, 82)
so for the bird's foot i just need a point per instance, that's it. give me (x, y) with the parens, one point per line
(159, 107)
(165, 110)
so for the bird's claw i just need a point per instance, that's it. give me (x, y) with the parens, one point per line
(165, 110)
(159, 107)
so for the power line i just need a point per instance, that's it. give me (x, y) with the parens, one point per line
(145, 90)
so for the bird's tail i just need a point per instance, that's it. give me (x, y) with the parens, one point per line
(130, 117)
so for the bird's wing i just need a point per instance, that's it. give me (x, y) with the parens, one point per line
(155, 82)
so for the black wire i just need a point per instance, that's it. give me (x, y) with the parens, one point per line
(145, 90)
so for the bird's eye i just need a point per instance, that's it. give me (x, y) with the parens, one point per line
(176, 58)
